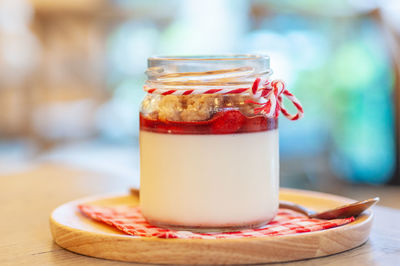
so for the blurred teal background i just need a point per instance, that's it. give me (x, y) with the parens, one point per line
(71, 88)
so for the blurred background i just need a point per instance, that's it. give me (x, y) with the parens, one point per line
(71, 76)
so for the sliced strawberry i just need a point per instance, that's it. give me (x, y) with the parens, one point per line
(227, 122)
(259, 123)
(256, 123)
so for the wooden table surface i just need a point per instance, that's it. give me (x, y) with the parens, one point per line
(27, 198)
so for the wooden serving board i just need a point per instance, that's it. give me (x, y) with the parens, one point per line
(75, 232)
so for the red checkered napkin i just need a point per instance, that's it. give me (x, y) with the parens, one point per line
(131, 221)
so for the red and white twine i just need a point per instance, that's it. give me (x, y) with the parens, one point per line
(270, 91)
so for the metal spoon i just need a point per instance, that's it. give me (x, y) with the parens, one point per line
(345, 211)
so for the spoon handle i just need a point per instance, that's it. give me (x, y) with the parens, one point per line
(295, 207)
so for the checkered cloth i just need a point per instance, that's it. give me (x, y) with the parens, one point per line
(131, 221)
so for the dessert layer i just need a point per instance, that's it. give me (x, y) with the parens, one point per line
(209, 180)
(223, 122)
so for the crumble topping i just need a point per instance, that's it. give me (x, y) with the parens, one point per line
(188, 108)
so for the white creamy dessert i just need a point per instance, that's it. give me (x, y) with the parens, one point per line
(211, 180)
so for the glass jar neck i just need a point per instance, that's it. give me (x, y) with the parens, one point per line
(206, 71)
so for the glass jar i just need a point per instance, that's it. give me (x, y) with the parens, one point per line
(207, 160)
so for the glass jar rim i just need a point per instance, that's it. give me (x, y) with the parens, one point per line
(220, 57)
(206, 70)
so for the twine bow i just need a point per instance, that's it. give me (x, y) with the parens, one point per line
(272, 92)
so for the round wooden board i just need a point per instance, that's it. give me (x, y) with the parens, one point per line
(75, 232)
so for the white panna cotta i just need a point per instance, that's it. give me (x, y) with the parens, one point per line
(211, 180)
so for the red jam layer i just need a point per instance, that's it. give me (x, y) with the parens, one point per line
(224, 122)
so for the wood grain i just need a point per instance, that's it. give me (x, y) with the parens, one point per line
(28, 196)
(79, 234)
